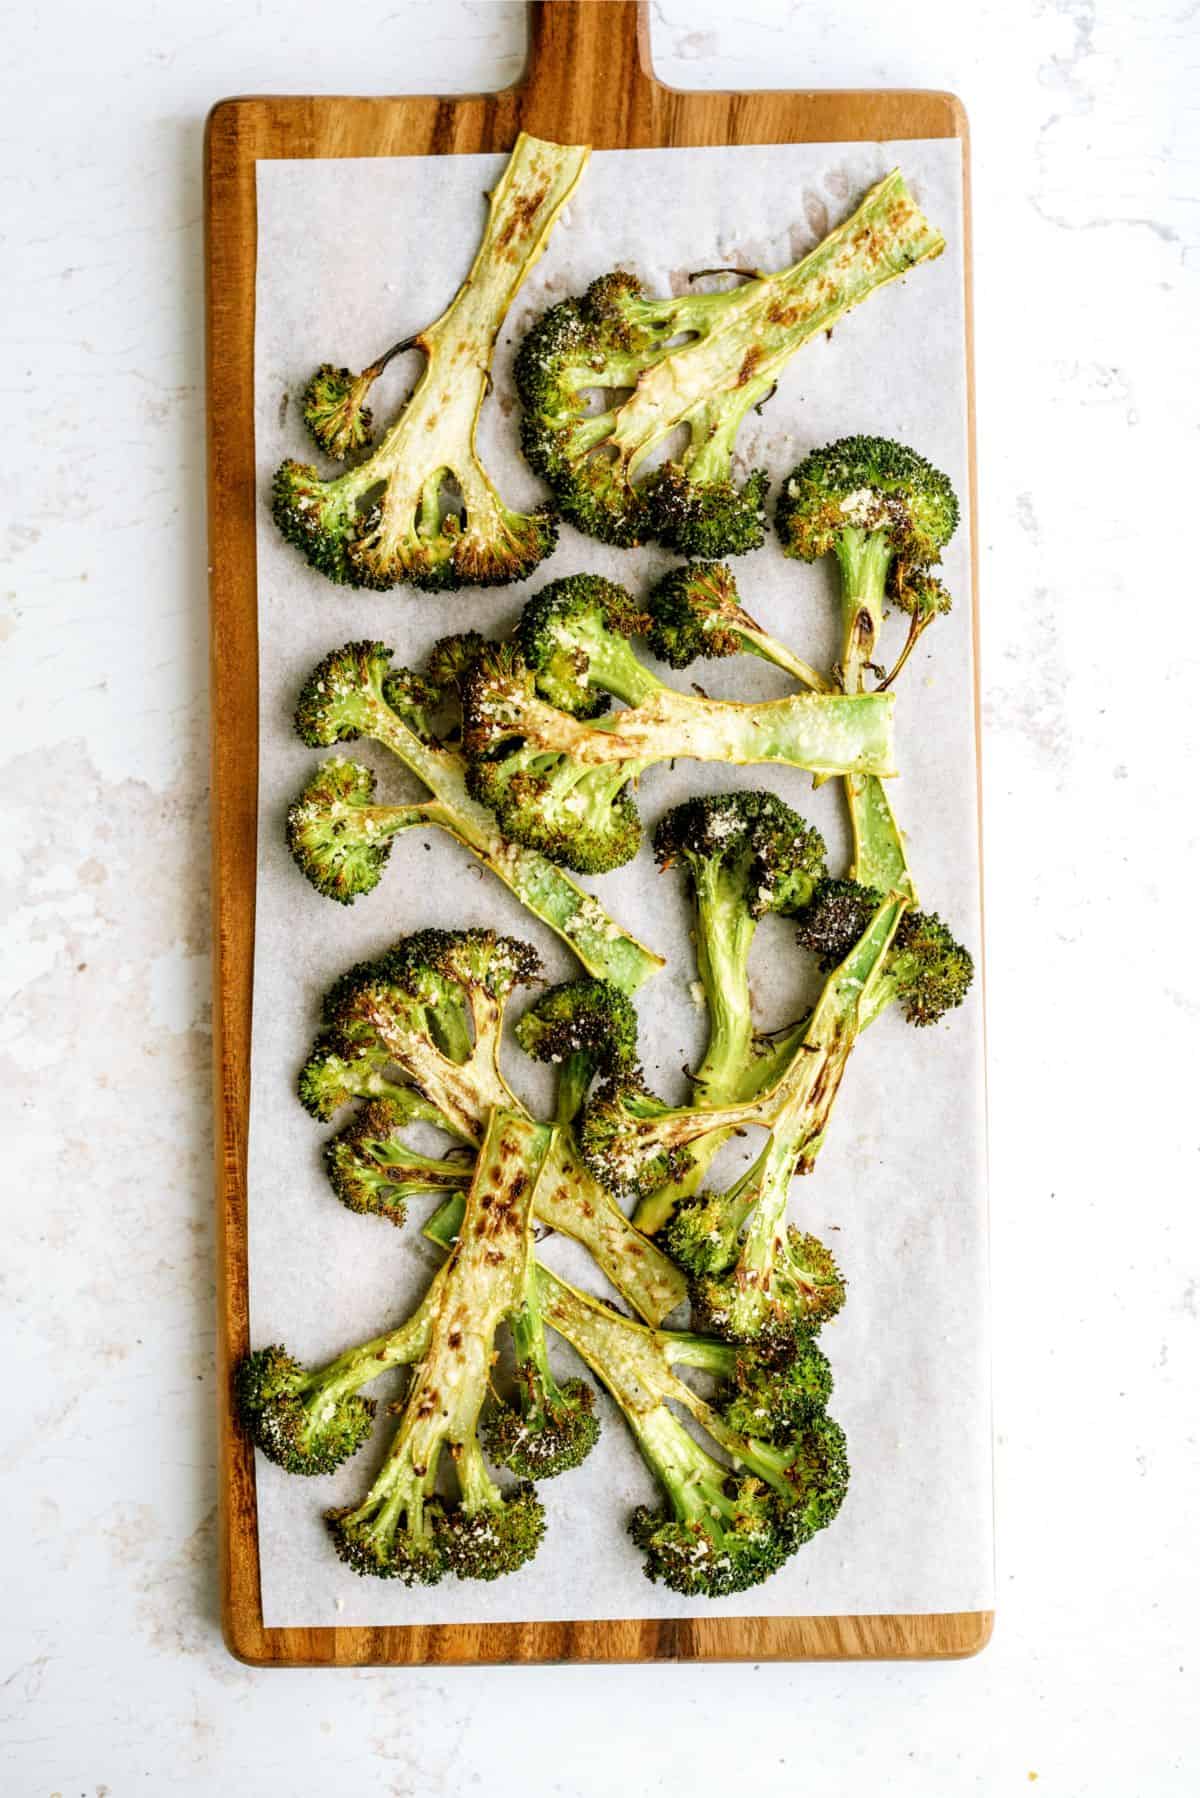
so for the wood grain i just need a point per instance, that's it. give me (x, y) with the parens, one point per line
(588, 80)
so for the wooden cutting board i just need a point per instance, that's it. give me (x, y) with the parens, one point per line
(588, 80)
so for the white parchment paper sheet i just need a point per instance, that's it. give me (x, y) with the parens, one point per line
(351, 256)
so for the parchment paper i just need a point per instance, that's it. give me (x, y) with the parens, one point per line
(351, 256)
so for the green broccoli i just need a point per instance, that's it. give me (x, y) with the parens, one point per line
(728, 1525)
(431, 1012)
(885, 514)
(752, 1279)
(557, 775)
(403, 1529)
(696, 614)
(340, 839)
(310, 1422)
(581, 1028)
(334, 404)
(745, 855)
(698, 362)
(768, 1413)
(421, 509)
(371, 1167)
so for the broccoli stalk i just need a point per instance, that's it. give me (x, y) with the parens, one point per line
(726, 1525)
(431, 1009)
(746, 854)
(311, 1421)
(341, 840)
(768, 1414)
(387, 519)
(556, 772)
(696, 361)
(885, 515)
(402, 1529)
(752, 1279)
(696, 614)
(635, 1144)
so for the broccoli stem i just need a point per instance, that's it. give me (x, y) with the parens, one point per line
(444, 406)
(604, 948)
(824, 733)
(724, 934)
(637, 1367)
(750, 333)
(481, 1284)
(569, 1200)
(324, 1388)
(575, 1076)
(804, 1094)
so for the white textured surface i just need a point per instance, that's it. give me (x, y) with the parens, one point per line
(1087, 168)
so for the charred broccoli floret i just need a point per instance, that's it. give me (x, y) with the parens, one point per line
(724, 1525)
(698, 361)
(551, 1425)
(372, 1168)
(696, 614)
(584, 1028)
(926, 971)
(421, 509)
(753, 1279)
(334, 404)
(425, 1020)
(557, 776)
(340, 838)
(403, 1529)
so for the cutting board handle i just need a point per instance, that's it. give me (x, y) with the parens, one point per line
(579, 47)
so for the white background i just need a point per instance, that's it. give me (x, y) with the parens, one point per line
(114, 1680)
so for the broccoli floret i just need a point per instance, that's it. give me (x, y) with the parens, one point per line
(551, 1425)
(924, 598)
(403, 1529)
(340, 838)
(725, 1526)
(698, 362)
(558, 779)
(334, 404)
(746, 854)
(885, 514)
(926, 972)
(421, 509)
(574, 637)
(298, 1419)
(584, 1028)
(421, 1026)
(696, 614)
(434, 1005)
(347, 1063)
(371, 1167)
(752, 1279)
(799, 1289)
(872, 504)
(310, 1422)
